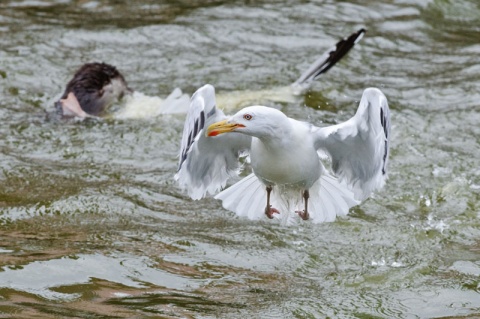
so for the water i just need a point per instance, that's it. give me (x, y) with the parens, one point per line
(93, 226)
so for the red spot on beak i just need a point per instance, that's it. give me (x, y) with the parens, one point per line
(213, 133)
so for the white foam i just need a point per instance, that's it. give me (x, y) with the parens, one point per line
(139, 105)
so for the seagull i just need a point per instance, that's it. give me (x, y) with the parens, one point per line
(288, 179)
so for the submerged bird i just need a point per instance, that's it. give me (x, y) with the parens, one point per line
(95, 87)
(288, 175)
(92, 90)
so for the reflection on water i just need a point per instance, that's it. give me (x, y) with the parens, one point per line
(92, 224)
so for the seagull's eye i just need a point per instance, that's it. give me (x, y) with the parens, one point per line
(248, 117)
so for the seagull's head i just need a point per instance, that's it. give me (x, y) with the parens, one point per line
(257, 121)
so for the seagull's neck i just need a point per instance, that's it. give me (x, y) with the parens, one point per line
(279, 138)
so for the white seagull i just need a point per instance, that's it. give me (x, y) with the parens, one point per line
(288, 179)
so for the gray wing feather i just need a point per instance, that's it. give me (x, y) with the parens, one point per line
(359, 147)
(206, 163)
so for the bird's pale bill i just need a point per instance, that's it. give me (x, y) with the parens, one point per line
(222, 127)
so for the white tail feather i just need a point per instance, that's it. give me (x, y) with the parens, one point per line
(245, 198)
(328, 199)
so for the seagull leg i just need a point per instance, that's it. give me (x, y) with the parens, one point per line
(269, 210)
(304, 214)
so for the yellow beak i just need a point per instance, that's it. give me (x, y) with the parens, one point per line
(222, 127)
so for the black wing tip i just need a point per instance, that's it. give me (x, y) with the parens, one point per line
(198, 126)
(357, 36)
(361, 30)
(385, 122)
(340, 49)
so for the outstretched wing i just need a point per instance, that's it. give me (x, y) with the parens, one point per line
(329, 58)
(359, 147)
(207, 162)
